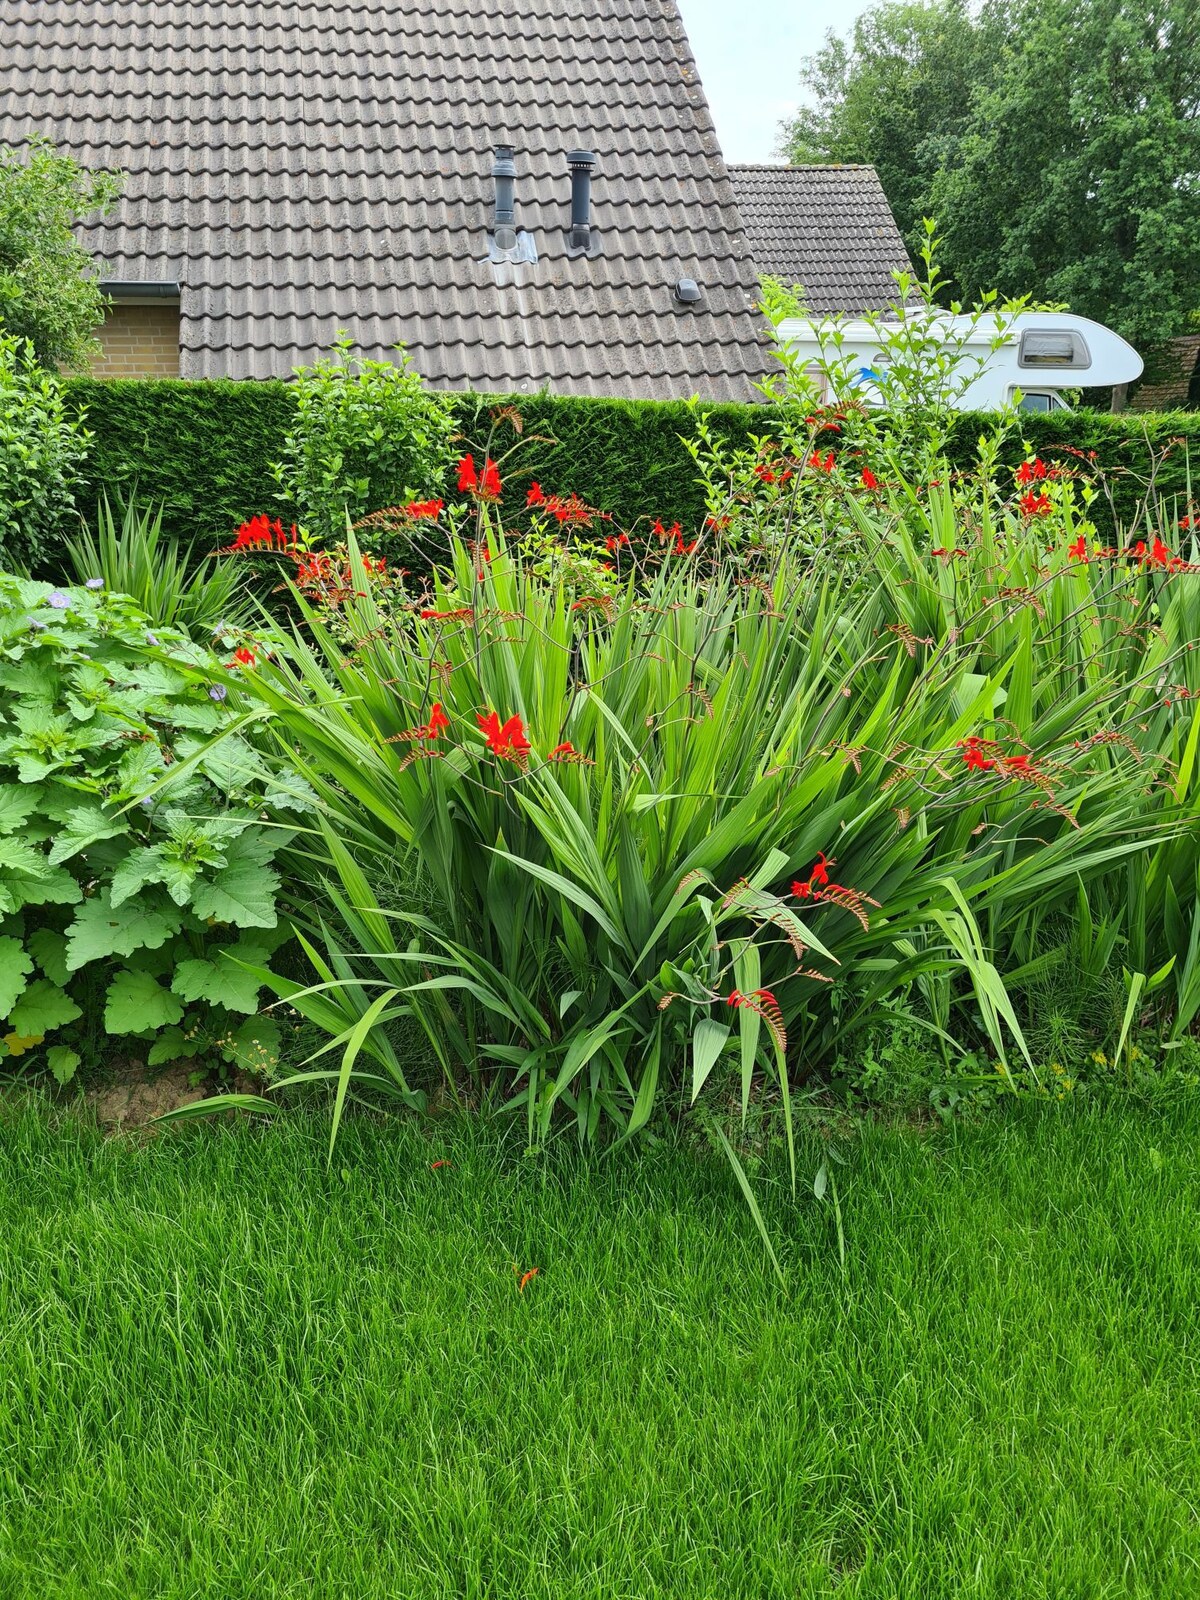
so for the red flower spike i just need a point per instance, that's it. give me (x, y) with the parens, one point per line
(242, 657)
(535, 497)
(424, 508)
(490, 487)
(802, 891)
(1078, 550)
(1035, 504)
(466, 475)
(869, 480)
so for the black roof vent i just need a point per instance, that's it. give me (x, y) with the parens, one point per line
(581, 241)
(504, 172)
(687, 291)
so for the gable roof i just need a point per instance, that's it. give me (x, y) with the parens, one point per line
(301, 167)
(828, 229)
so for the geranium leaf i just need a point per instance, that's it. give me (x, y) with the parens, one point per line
(138, 1003)
(49, 949)
(42, 1008)
(15, 967)
(98, 932)
(85, 825)
(222, 982)
(62, 1061)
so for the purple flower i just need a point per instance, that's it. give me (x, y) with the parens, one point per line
(94, 583)
(57, 599)
(150, 639)
(218, 692)
(38, 627)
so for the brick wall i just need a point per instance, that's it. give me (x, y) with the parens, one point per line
(139, 342)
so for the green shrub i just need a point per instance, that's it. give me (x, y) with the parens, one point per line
(630, 879)
(41, 448)
(204, 450)
(366, 435)
(124, 913)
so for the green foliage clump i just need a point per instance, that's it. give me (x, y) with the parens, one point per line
(1055, 140)
(125, 909)
(366, 435)
(48, 293)
(171, 585)
(41, 449)
(854, 746)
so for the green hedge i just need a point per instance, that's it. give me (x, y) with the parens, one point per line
(204, 448)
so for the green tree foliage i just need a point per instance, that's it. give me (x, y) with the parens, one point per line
(1056, 141)
(894, 94)
(47, 294)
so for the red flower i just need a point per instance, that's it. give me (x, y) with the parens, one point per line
(560, 750)
(801, 890)
(1029, 470)
(682, 549)
(973, 755)
(717, 524)
(532, 1273)
(242, 657)
(507, 739)
(466, 475)
(424, 508)
(764, 474)
(1035, 504)
(1078, 550)
(1138, 551)
(1162, 556)
(490, 487)
(535, 497)
(614, 540)
(434, 1165)
(761, 996)
(820, 873)
(869, 480)
(438, 721)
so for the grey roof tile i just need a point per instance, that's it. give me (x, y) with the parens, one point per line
(828, 229)
(303, 167)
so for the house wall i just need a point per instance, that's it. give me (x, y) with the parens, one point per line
(139, 341)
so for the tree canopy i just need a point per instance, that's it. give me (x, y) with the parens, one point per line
(1057, 142)
(47, 293)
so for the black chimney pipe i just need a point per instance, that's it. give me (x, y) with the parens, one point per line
(582, 164)
(504, 171)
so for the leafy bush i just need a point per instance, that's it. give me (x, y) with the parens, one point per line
(165, 578)
(41, 448)
(126, 912)
(48, 291)
(630, 805)
(203, 450)
(366, 434)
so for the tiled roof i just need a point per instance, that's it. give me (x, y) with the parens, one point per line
(302, 167)
(828, 229)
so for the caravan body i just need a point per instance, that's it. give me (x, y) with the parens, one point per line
(1043, 353)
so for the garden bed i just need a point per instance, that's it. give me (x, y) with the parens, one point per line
(230, 1370)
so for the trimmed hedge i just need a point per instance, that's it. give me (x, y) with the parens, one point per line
(204, 448)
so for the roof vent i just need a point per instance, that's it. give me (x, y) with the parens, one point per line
(504, 171)
(687, 291)
(581, 241)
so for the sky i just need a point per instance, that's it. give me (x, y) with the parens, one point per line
(749, 54)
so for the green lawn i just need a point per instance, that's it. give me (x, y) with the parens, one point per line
(225, 1373)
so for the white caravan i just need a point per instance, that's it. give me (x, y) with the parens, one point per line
(1043, 352)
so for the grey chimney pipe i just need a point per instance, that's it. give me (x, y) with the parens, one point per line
(582, 164)
(504, 171)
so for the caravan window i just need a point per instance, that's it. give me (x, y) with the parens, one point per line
(1051, 347)
(1039, 400)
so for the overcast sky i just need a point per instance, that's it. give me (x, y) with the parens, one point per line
(749, 54)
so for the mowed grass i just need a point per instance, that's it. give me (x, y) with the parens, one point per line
(227, 1372)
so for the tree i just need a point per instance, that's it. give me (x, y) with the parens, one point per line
(1077, 176)
(47, 295)
(1057, 142)
(893, 95)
